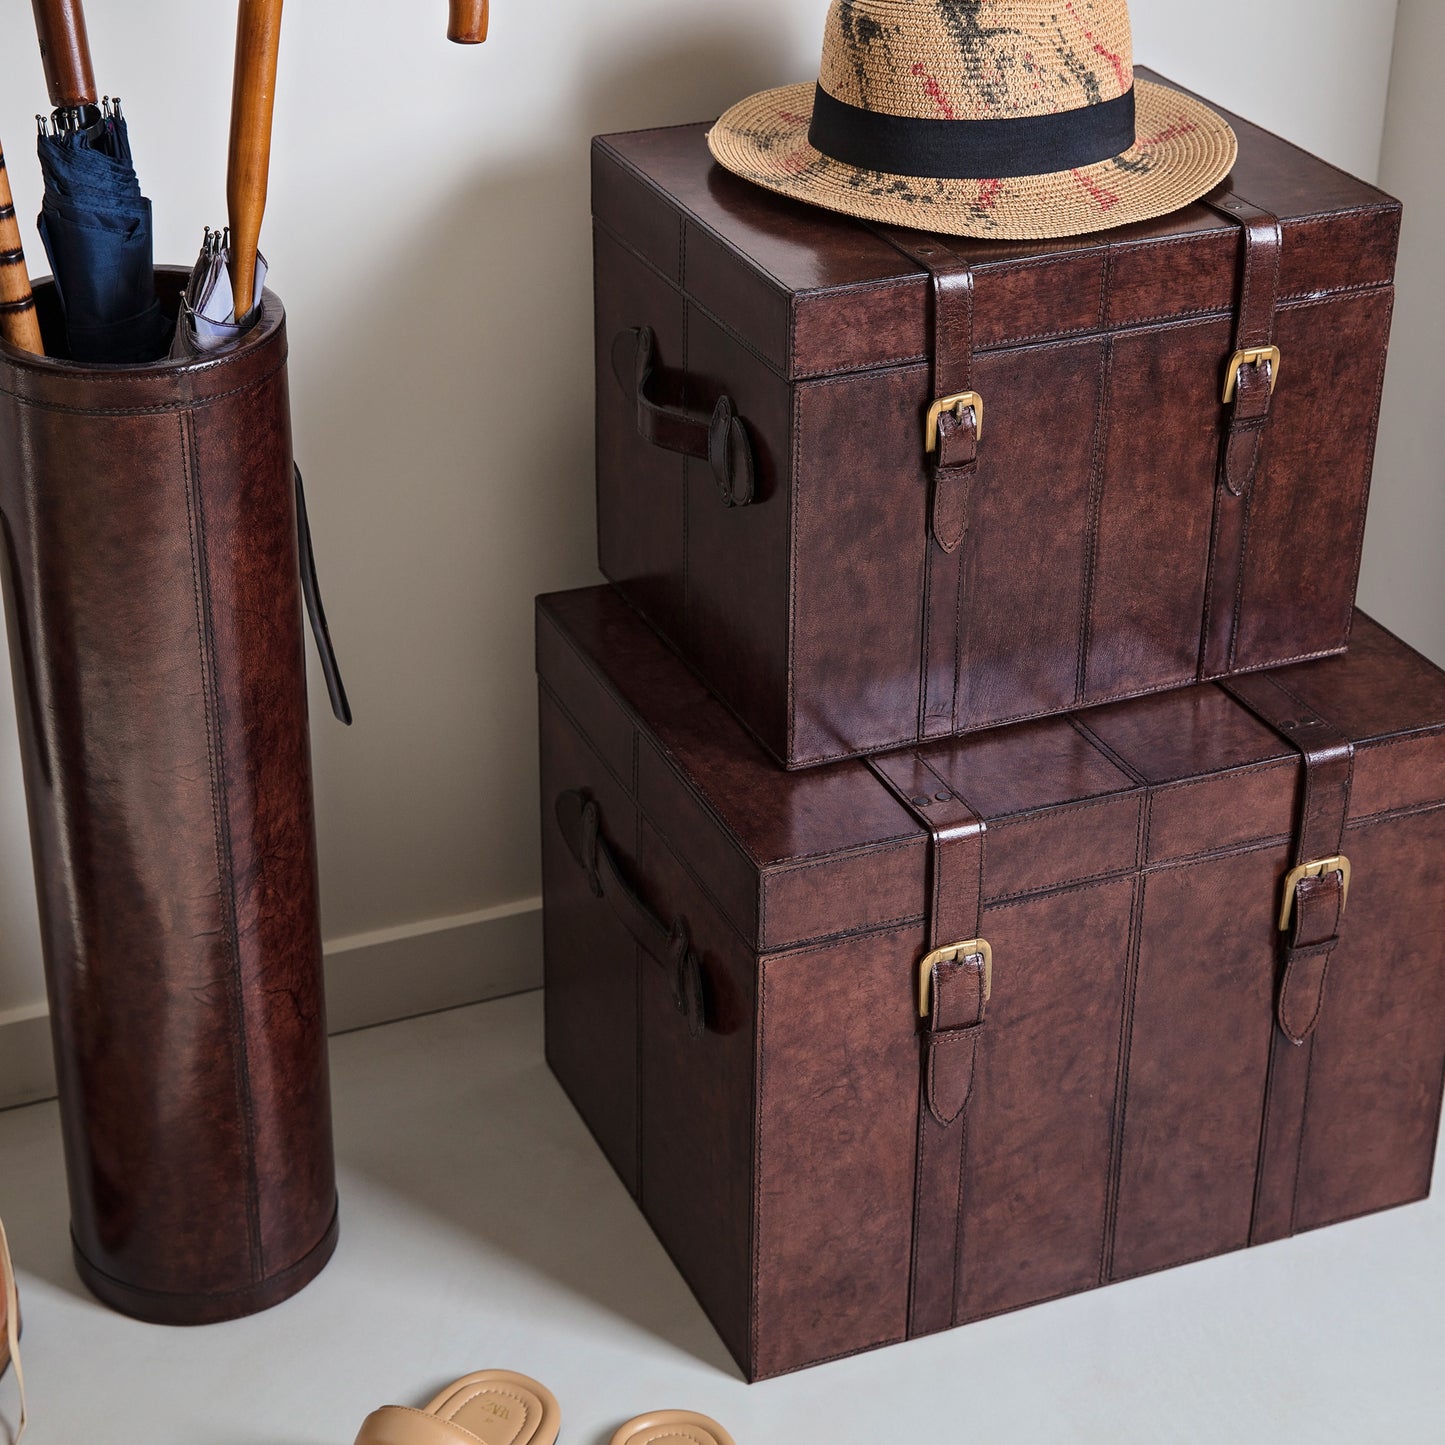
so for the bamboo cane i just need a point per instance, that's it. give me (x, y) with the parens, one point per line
(65, 50)
(258, 42)
(18, 323)
(468, 22)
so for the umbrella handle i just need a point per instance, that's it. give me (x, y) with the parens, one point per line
(65, 51)
(468, 24)
(18, 324)
(253, 101)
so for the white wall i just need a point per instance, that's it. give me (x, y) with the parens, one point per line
(428, 230)
(1404, 572)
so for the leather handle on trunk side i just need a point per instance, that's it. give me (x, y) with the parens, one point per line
(719, 437)
(580, 821)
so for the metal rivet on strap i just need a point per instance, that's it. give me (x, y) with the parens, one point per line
(921, 802)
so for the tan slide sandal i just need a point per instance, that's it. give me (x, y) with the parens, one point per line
(672, 1427)
(494, 1407)
(10, 1328)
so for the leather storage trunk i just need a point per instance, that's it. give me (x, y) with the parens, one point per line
(1139, 1071)
(149, 519)
(1116, 523)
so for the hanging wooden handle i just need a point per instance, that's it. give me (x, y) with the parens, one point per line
(65, 51)
(253, 101)
(468, 24)
(17, 306)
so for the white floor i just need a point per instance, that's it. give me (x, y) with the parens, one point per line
(481, 1226)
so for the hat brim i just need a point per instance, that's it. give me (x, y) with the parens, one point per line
(1183, 150)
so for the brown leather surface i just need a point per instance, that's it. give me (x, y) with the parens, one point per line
(1122, 1109)
(1246, 428)
(156, 643)
(952, 1029)
(1116, 523)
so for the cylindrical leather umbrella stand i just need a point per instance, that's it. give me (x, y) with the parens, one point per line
(150, 563)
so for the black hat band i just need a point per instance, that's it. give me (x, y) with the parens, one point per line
(957, 150)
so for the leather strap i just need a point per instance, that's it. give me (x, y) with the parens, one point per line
(397, 1425)
(950, 1033)
(580, 822)
(955, 463)
(719, 438)
(316, 610)
(1248, 418)
(953, 474)
(1309, 944)
(11, 1297)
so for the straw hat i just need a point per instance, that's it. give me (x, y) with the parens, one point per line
(1006, 119)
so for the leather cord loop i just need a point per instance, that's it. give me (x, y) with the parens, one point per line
(670, 946)
(720, 437)
(316, 611)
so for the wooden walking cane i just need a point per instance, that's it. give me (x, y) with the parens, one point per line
(258, 41)
(18, 323)
(65, 51)
(258, 44)
(468, 24)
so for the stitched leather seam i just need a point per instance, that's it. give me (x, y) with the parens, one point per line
(1391, 815)
(1259, 465)
(760, 1091)
(1281, 763)
(794, 505)
(911, 281)
(925, 630)
(1139, 325)
(1373, 443)
(571, 718)
(247, 1291)
(1084, 631)
(221, 824)
(1114, 1181)
(161, 409)
(722, 911)
(686, 488)
(1299, 1148)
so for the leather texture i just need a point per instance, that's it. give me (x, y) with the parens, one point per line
(1116, 521)
(1309, 943)
(720, 438)
(672, 1427)
(1246, 429)
(493, 1407)
(832, 1172)
(155, 614)
(953, 1021)
(579, 819)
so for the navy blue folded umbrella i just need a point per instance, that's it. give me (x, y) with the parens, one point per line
(96, 227)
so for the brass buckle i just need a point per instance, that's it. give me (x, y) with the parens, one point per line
(1340, 865)
(1254, 356)
(974, 948)
(958, 403)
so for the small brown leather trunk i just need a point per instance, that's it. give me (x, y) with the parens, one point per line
(1120, 1062)
(766, 373)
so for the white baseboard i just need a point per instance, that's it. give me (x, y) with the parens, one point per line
(373, 978)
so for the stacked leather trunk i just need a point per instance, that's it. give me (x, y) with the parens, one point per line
(986, 856)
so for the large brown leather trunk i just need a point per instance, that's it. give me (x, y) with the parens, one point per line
(1140, 1070)
(151, 588)
(765, 498)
